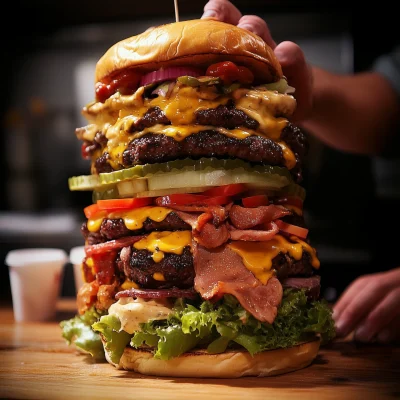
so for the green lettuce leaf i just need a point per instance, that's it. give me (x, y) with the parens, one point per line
(78, 331)
(225, 324)
(115, 339)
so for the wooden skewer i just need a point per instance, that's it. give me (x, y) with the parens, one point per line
(176, 10)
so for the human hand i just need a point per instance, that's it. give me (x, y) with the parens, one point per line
(370, 307)
(290, 55)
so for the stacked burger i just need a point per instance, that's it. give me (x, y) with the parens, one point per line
(198, 261)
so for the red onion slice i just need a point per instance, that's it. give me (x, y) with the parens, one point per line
(168, 74)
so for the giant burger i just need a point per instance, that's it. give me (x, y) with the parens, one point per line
(197, 258)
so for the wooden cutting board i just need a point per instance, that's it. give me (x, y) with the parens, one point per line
(35, 363)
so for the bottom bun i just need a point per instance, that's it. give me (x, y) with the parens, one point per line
(231, 364)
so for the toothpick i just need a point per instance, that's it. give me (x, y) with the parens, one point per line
(176, 10)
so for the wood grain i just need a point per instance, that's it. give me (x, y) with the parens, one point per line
(35, 363)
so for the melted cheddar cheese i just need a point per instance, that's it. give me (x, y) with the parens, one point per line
(116, 116)
(159, 243)
(133, 219)
(258, 256)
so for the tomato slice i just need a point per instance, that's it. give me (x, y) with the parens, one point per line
(216, 201)
(124, 204)
(255, 201)
(229, 72)
(226, 190)
(188, 199)
(292, 229)
(179, 199)
(126, 83)
(91, 210)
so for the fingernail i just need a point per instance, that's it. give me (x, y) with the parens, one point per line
(247, 27)
(340, 327)
(362, 334)
(385, 336)
(209, 14)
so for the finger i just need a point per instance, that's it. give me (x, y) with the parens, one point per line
(347, 296)
(299, 75)
(360, 305)
(222, 10)
(391, 333)
(257, 25)
(380, 317)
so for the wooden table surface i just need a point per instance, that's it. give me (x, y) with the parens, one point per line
(36, 363)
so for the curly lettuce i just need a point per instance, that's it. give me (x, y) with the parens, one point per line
(225, 324)
(78, 331)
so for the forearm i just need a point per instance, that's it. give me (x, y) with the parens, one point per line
(355, 113)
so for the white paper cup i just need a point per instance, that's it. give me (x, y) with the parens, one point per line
(76, 256)
(35, 277)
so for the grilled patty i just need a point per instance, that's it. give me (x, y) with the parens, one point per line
(158, 148)
(178, 270)
(115, 228)
(173, 270)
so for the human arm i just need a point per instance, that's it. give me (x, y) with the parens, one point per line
(356, 113)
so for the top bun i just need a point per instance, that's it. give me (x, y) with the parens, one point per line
(199, 43)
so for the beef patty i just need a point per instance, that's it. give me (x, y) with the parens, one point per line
(178, 270)
(111, 229)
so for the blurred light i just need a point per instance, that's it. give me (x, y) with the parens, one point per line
(330, 294)
(37, 106)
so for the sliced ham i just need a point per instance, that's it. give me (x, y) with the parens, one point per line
(246, 218)
(221, 271)
(253, 234)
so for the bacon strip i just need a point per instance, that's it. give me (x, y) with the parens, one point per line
(254, 235)
(219, 213)
(158, 293)
(205, 232)
(111, 245)
(221, 270)
(246, 218)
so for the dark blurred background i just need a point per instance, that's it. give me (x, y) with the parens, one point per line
(48, 62)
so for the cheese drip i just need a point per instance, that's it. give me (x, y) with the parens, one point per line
(258, 256)
(120, 112)
(133, 219)
(261, 106)
(159, 243)
(117, 115)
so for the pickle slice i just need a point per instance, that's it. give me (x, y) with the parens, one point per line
(83, 182)
(131, 187)
(184, 173)
(111, 193)
(215, 177)
(293, 190)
